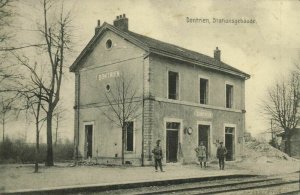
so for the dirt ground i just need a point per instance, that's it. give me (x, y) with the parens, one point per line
(259, 158)
(20, 177)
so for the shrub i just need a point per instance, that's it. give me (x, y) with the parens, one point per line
(63, 152)
(18, 151)
(6, 149)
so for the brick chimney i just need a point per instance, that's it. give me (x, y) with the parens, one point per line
(121, 22)
(97, 27)
(217, 54)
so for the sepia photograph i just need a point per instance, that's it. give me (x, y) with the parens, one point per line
(149, 97)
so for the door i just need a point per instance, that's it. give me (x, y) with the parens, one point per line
(172, 146)
(203, 135)
(89, 140)
(172, 142)
(229, 143)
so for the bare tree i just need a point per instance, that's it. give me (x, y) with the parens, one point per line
(58, 118)
(57, 39)
(5, 18)
(123, 105)
(281, 106)
(34, 104)
(36, 111)
(5, 111)
(30, 92)
(7, 14)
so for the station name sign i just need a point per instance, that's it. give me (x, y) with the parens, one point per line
(203, 114)
(107, 75)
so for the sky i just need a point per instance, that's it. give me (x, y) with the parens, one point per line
(266, 49)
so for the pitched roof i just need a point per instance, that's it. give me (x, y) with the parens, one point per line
(163, 48)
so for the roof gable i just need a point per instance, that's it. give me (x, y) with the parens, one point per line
(155, 46)
(95, 40)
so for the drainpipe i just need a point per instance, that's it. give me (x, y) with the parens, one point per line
(143, 130)
(143, 104)
(78, 121)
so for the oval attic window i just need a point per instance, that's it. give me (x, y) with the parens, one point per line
(108, 44)
(107, 87)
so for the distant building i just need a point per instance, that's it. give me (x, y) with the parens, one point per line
(187, 97)
(247, 136)
(295, 143)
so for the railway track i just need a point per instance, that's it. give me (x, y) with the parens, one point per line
(258, 184)
(240, 184)
(220, 189)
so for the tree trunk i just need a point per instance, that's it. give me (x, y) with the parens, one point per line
(49, 158)
(3, 126)
(288, 144)
(123, 145)
(37, 150)
(287, 148)
(56, 130)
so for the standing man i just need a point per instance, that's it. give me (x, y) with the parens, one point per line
(158, 155)
(201, 154)
(221, 153)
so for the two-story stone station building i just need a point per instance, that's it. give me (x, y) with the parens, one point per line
(185, 97)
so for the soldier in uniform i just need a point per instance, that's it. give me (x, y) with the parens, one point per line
(221, 153)
(158, 155)
(201, 154)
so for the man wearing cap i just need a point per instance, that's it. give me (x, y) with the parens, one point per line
(221, 153)
(158, 155)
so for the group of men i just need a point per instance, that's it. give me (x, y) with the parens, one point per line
(201, 153)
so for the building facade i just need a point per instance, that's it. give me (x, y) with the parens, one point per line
(294, 142)
(183, 98)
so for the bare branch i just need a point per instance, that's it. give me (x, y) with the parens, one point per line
(21, 47)
(123, 105)
(282, 104)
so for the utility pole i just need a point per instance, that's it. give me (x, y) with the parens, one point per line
(272, 133)
(274, 143)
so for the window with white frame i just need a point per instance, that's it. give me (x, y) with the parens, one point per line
(129, 136)
(203, 91)
(173, 88)
(229, 96)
